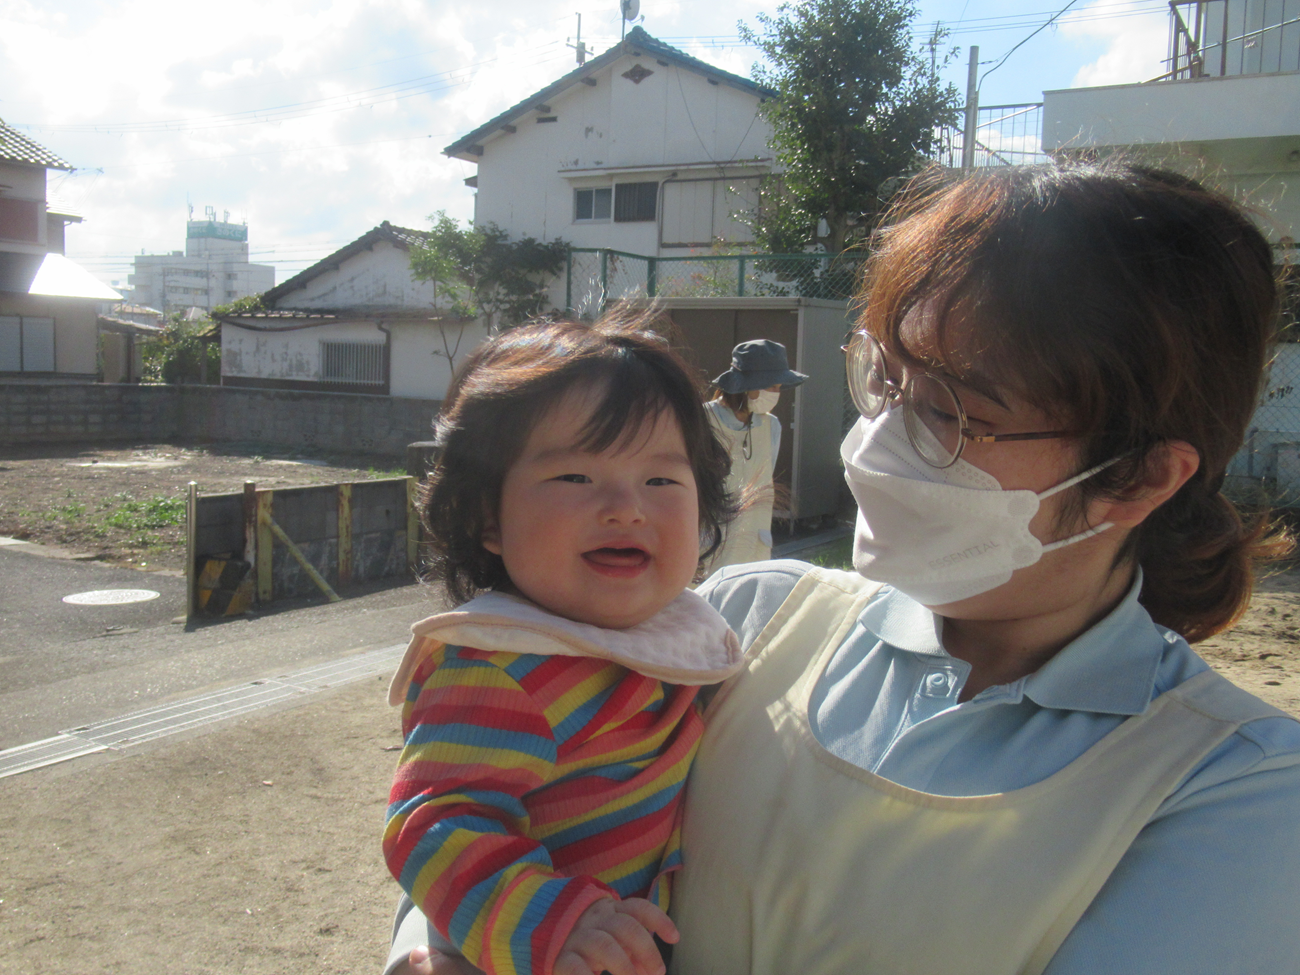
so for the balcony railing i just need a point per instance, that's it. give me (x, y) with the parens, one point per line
(595, 276)
(1005, 135)
(1221, 38)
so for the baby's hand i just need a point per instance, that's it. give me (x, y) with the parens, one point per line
(615, 936)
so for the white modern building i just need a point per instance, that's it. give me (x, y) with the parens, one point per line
(212, 270)
(1227, 111)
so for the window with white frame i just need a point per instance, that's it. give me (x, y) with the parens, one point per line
(352, 362)
(26, 344)
(593, 203)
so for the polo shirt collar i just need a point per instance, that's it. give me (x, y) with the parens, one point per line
(1110, 668)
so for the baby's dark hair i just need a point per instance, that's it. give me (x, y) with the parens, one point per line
(507, 384)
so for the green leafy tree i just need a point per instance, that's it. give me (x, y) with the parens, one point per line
(240, 306)
(857, 106)
(178, 354)
(481, 272)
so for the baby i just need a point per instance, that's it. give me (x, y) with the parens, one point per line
(550, 720)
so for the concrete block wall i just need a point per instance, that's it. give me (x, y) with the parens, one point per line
(41, 413)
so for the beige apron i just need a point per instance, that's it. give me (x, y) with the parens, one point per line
(749, 537)
(799, 863)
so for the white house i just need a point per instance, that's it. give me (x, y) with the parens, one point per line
(642, 149)
(48, 329)
(641, 159)
(355, 322)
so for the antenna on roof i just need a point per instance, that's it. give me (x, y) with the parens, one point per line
(579, 47)
(629, 9)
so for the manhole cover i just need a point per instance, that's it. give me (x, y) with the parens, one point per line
(110, 597)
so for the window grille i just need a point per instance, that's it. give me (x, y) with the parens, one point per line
(352, 362)
(635, 202)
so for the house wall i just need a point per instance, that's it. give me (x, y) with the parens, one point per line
(76, 333)
(25, 185)
(671, 121)
(289, 354)
(378, 278)
(61, 413)
(418, 352)
(425, 353)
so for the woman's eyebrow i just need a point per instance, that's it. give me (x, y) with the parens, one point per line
(981, 385)
(973, 380)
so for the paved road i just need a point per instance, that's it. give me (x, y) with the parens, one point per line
(34, 616)
(60, 667)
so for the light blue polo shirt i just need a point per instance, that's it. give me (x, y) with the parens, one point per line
(1211, 885)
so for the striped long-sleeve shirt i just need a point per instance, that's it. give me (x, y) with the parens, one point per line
(530, 787)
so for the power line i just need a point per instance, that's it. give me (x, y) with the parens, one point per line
(1047, 23)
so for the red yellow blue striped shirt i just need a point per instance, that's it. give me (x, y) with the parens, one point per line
(530, 787)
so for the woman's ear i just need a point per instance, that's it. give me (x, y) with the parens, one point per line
(490, 538)
(1168, 467)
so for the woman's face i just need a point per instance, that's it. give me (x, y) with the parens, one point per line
(1063, 575)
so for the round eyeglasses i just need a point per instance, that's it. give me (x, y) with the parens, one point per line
(932, 414)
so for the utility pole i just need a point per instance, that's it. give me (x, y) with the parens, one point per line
(972, 111)
(579, 47)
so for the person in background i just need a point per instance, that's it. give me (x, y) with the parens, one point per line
(741, 412)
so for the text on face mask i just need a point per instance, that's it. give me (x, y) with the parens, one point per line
(974, 552)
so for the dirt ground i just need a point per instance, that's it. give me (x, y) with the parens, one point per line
(125, 504)
(255, 848)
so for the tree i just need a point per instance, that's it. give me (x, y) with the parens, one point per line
(857, 104)
(481, 272)
(178, 355)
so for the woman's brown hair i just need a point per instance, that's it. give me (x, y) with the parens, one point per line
(1131, 304)
(508, 384)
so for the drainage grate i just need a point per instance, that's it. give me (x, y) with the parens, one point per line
(170, 719)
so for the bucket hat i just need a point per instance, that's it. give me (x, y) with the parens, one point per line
(756, 365)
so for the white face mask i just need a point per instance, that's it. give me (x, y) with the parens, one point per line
(765, 401)
(938, 536)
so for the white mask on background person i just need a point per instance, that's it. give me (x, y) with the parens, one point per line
(765, 401)
(938, 535)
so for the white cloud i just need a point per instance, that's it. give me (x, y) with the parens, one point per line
(1136, 45)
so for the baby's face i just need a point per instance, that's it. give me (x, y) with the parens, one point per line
(605, 538)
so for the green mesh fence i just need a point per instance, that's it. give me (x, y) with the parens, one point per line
(1267, 468)
(595, 277)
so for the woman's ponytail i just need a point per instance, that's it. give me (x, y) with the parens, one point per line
(1198, 557)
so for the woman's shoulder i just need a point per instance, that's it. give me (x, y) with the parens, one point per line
(748, 595)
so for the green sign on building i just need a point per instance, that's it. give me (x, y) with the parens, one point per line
(216, 229)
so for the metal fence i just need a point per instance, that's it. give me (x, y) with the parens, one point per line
(1215, 38)
(595, 276)
(1005, 135)
(1267, 468)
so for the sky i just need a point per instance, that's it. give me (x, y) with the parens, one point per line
(315, 120)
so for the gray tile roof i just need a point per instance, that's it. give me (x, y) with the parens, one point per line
(16, 147)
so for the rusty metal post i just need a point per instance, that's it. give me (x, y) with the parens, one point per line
(250, 523)
(345, 535)
(412, 525)
(264, 544)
